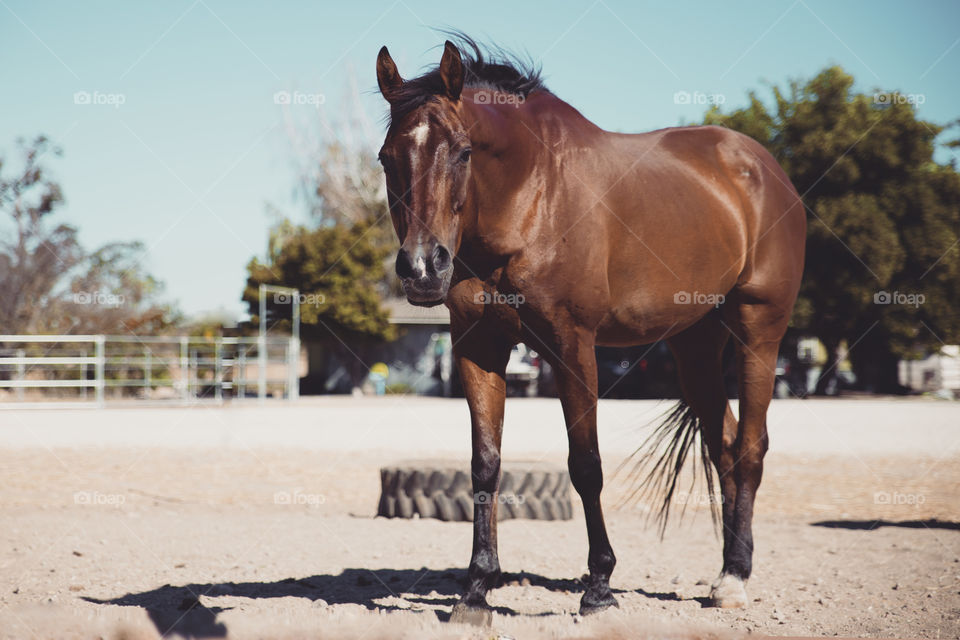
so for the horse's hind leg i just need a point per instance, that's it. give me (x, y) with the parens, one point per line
(758, 327)
(698, 352)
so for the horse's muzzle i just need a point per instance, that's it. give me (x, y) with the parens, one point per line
(425, 276)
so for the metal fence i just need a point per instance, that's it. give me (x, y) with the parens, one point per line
(91, 370)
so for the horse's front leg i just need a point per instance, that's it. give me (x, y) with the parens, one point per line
(576, 373)
(482, 361)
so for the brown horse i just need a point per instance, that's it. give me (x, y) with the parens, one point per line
(534, 225)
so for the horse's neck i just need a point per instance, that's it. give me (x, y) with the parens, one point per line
(506, 154)
(511, 142)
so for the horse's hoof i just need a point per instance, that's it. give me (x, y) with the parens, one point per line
(594, 603)
(728, 592)
(481, 616)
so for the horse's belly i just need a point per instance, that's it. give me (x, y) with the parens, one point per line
(640, 319)
(654, 295)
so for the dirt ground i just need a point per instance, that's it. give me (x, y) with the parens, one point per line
(137, 539)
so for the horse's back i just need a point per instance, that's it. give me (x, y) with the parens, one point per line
(745, 180)
(699, 211)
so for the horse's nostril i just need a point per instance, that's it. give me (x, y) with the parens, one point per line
(405, 268)
(441, 259)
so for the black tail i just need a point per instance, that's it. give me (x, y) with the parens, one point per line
(657, 463)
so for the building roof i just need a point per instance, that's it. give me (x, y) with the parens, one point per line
(402, 312)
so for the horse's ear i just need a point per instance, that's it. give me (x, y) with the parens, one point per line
(451, 71)
(387, 75)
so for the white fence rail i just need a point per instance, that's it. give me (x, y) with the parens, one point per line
(91, 370)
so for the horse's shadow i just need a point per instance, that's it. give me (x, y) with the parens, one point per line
(870, 525)
(177, 610)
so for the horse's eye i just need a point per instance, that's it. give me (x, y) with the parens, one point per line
(465, 155)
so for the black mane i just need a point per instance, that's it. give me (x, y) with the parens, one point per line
(483, 68)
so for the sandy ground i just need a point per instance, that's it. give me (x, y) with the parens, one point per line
(259, 522)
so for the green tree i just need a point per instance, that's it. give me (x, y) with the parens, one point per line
(883, 216)
(339, 271)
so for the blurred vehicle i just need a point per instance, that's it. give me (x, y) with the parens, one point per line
(646, 371)
(523, 372)
(842, 381)
(791, 380)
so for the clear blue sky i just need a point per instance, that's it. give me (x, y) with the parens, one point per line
(189, 161)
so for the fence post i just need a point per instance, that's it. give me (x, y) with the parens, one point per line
(295, 348)
(194, 372)
(21, 372)
(100, 369)
(185, 368)
(293, 369)
(218, 369)
(148, 373)
(262, 347)
(262, 367)
(241, 381)
(83, 374)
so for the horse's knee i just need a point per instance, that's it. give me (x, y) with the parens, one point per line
(586, 471)
(485, 468)
(749, 467)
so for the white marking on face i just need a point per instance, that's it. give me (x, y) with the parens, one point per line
(419, 133)
(421, 265)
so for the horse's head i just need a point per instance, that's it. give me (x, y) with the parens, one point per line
(426, 158)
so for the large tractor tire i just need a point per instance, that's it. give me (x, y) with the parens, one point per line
(443, 490)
